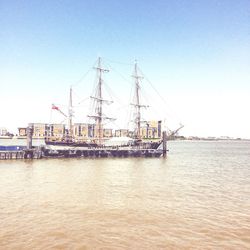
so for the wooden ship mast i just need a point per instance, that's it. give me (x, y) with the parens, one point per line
(98, 115)
(70, 115)
(137, 105)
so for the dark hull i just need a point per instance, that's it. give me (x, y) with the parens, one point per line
(101, 153)
(58, 149)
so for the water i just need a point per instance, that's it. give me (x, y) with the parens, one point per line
(198, 198)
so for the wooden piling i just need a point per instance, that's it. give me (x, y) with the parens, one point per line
(164, 139)
(29, 136)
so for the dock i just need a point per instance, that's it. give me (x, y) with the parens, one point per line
(21, 154)
(8, 155)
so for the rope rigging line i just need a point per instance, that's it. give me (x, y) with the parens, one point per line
(108, 89)
(129, 111)
(78, 82)
(83, 100)
(120, 74)
(157, 92)
(128, 114)
(112, 94)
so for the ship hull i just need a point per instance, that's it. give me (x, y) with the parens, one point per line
(58, 149)
(101, 153)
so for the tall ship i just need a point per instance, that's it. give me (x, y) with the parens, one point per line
(132, 144)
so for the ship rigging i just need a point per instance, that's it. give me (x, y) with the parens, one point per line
(133, 140)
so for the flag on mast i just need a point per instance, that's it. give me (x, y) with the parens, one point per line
(55, 107)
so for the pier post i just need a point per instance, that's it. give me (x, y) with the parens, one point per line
(164, 140)
(29, 136)
(28, 152)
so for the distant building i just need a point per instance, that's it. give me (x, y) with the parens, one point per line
(83, 130)
(151, 129)
(42, 130)
(107, 132)
(3, 131)
(57, 130)
(38, 130)
(121, 133)
(22, 131)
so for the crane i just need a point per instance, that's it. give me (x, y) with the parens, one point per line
(172, 133)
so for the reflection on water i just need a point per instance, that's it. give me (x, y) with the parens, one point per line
(197, 198)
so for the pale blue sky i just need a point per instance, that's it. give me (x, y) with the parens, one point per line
(196, 53)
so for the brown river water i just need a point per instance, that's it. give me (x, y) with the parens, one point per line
(197, 198)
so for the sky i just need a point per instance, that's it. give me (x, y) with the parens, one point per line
(195, 54)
